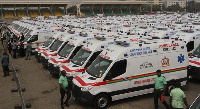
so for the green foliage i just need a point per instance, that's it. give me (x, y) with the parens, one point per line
(72, 9)
(192, 6)
(175, 8)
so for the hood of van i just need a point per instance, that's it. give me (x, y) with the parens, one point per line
(194, 61)
(72, 68)
(84, 79)
(41, 48)
(58, 59)
(50, 53)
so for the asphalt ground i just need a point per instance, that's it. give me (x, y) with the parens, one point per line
(42, 90)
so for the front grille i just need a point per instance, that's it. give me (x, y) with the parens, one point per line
(194, 71)
(76, 90)
(52, 69)
(42, 58)
(36, 55)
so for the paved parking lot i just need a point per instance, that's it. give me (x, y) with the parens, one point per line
(42, 90)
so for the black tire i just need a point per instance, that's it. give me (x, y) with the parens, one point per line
(101, 101)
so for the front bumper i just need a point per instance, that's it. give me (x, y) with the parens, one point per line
(37, 56)
(84, 97)
(52, 69)
(44, 62)
(194, 72)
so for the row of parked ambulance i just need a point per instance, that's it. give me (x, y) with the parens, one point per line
(112, 58)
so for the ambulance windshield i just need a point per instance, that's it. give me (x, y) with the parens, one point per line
(66, 50)
(48, 42)
(99, 66)
(26, 38)
(81, 57)
(56, 45)
(197, 51)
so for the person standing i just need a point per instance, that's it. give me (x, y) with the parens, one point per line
(7, 31)
(64, 89)
(159, 89)
(21, 49)
(11, 36)
(177, 97)
(2, 37)
(5, 64)
(28, 51)
(9, 47)
(0, 28)
(22, 37)
(14, 48)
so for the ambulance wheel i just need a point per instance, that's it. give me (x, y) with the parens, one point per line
(101, 101)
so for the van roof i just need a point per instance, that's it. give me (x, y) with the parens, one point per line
(141, 47)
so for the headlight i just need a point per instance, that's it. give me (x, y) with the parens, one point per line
(71, 74)
(56, 65)
(86, 88)
(68, 74)
(74, 74)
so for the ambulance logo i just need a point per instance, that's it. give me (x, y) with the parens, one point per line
(181, 58)
(165, 62)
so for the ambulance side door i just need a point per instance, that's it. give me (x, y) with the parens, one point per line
(142, 76)
(117, 84)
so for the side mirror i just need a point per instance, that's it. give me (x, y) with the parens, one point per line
(108, 77)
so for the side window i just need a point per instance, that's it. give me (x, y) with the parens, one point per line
(117, 69)
(75, 51)
(93, 57)
(190, 46)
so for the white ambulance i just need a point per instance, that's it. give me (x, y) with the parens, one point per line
(68, 52)
(55, 48)
(190, 37)
(129, 69)
(46, 45)
(194, 64)
(86, 55)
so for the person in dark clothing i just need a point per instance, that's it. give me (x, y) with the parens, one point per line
(64, 89)
(9, 47)
(2, 37)
(5, 64)
(22, 37)
(14, 48)
(21, 49)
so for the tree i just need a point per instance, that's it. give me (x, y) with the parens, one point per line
(175, 8)
(72, 9)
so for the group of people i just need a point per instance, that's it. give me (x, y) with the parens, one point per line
(177, 96)
(12, 46)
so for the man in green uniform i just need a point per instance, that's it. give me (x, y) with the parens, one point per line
(28, 51)
(159, 89)
(11, 36)
(177, 97)
(64, 89)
